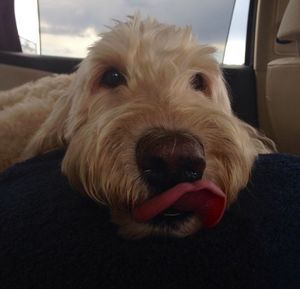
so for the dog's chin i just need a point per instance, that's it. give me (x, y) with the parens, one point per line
(171, 223)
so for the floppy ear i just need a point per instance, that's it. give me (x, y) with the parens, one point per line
(51, 134)
(261, 143)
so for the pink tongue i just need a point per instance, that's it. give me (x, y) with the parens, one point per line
(202, 197)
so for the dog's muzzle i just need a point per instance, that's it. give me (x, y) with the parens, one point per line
(172, 164)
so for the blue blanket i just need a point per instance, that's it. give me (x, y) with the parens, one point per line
(54, 237)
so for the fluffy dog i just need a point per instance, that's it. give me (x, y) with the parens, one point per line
(146, 110)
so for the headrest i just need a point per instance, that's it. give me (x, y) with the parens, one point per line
(289, 28)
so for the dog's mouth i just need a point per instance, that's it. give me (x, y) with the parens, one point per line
(171, 217)
(179, 203)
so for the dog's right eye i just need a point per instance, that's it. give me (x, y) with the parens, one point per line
(112, 78)
(198, 82)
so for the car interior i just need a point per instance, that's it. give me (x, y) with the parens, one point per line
(257, 248)
(264, 90)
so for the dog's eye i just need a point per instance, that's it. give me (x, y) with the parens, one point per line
(112, 78)
(198, 82)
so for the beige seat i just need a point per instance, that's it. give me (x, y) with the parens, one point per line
(13, 76)
(283, 86)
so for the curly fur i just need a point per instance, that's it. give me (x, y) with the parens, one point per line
(100, 126)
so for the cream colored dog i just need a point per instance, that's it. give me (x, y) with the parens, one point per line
(147, 109)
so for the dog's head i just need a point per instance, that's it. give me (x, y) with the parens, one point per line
(147, 110)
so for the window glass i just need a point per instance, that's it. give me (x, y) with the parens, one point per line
(28, 25)
(69, 27)
(236, 43)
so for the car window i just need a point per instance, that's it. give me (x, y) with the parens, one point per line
(69, 27)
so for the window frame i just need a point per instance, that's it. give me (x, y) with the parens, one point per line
(9, 38)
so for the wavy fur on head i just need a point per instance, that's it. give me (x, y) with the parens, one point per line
(99, 126)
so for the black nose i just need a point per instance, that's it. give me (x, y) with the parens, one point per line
(167, 158)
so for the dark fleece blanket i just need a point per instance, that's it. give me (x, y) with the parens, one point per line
(54, 237)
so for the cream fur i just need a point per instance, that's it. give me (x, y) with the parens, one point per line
(99, 126)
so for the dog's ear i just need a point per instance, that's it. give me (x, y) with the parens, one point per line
(261, 143)
(51, 134)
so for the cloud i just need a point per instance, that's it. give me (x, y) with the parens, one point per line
(69, 45)
(209, 18)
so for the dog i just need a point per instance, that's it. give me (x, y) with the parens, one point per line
(146, 111)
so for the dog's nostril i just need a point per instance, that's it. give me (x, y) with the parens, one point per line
(195, 174)
(168, 158)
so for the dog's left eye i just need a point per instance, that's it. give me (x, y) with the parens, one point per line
(112, 78)
(198, 82)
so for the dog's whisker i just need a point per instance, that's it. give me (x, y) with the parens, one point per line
(131, 198)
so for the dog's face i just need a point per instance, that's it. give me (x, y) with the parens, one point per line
(148, 109)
